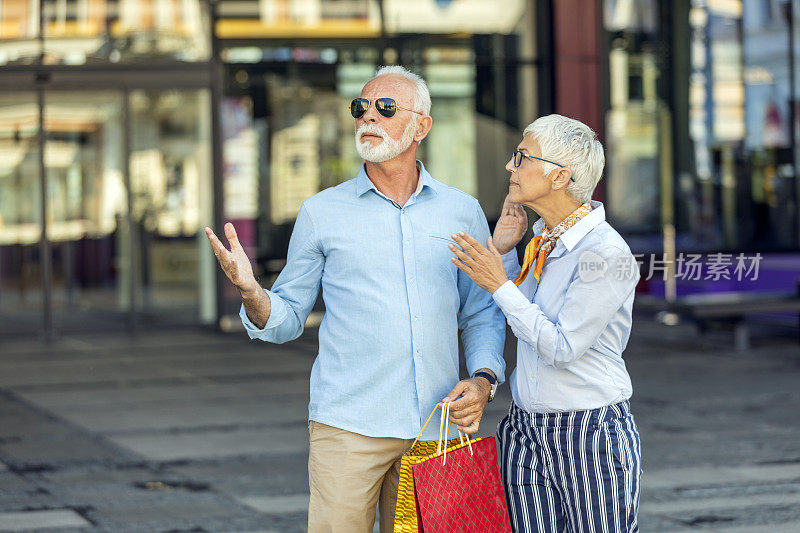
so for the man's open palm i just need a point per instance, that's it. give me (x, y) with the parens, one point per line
(234, 262)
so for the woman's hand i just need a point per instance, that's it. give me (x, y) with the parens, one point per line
(510, 227)
(483, 266)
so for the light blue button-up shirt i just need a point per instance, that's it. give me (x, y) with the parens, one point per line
(573, 325)
(394, 302)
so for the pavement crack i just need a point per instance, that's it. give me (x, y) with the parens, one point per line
(707, 519)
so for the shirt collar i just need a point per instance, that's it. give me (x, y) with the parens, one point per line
(364, 184)
(573, 235)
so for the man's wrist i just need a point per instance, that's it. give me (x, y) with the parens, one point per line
(251, 293)
(490, 386)
(483, 383)
(487, 371)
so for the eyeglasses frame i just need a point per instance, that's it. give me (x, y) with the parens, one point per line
(523, 154)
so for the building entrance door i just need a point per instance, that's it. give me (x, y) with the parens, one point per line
(171, 201)
(21, 287)
(127, 185)
(86, 209)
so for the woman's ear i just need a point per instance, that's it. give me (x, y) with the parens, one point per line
(561, 178)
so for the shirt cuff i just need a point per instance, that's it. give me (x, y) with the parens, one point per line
(509, 298)
(511, 262)
(277, 315)
(486, 359)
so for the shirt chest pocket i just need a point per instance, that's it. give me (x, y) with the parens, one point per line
(439, 255)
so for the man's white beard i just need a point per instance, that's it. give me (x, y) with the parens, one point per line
(386, 150)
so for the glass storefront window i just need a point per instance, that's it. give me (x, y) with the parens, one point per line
(78, 32)
(741, 111)
(293, 19)
(448, 16)
(20, 215)
(171, 193)
(450, 149)
(19, 32)
(698, 128)
(86, 204)
(101, 267)
(126, 30)
(103, 270)
(342, 19)
(636, 117)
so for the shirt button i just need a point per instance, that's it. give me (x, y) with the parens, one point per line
(411, 279)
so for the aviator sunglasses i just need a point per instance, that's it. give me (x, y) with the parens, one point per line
(518, 161)
(385, 106)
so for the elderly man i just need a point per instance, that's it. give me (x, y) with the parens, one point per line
(388, 344)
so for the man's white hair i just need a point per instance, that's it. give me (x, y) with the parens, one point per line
(422, 97)
(573, 144)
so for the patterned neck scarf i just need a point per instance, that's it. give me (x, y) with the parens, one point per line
(541, 245)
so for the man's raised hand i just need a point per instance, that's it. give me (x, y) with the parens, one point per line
(234, 262)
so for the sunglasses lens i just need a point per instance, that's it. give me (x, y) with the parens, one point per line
(386, 107)
(358, 107)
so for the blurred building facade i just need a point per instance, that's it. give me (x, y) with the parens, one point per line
(128, 125)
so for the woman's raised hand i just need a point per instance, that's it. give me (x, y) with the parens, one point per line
(511, 226)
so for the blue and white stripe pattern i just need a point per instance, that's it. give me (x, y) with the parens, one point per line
(575, 471)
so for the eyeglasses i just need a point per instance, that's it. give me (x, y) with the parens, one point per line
(518, 161)
(385, 106)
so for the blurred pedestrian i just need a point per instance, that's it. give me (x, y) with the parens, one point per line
(570, 451)
(394, 302)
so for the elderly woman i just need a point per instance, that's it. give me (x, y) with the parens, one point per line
(570, 451)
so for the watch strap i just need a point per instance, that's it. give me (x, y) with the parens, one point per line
(492, 381)
(490, 378)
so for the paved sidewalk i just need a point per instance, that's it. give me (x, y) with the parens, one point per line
(198, 431)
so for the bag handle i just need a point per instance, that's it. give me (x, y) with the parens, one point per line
(426, 423)
(445, 407)
(442, 444)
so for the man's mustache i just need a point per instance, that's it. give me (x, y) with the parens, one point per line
(371, 130)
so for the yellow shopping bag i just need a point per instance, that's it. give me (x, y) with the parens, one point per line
(406, 519)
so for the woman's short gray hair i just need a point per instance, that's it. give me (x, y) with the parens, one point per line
(573, 144)
(422, 97)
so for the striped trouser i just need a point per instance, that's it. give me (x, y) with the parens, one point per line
(574, 471)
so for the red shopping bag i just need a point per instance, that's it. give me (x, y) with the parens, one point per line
(460, 491)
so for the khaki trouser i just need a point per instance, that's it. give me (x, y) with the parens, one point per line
(347, 474)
